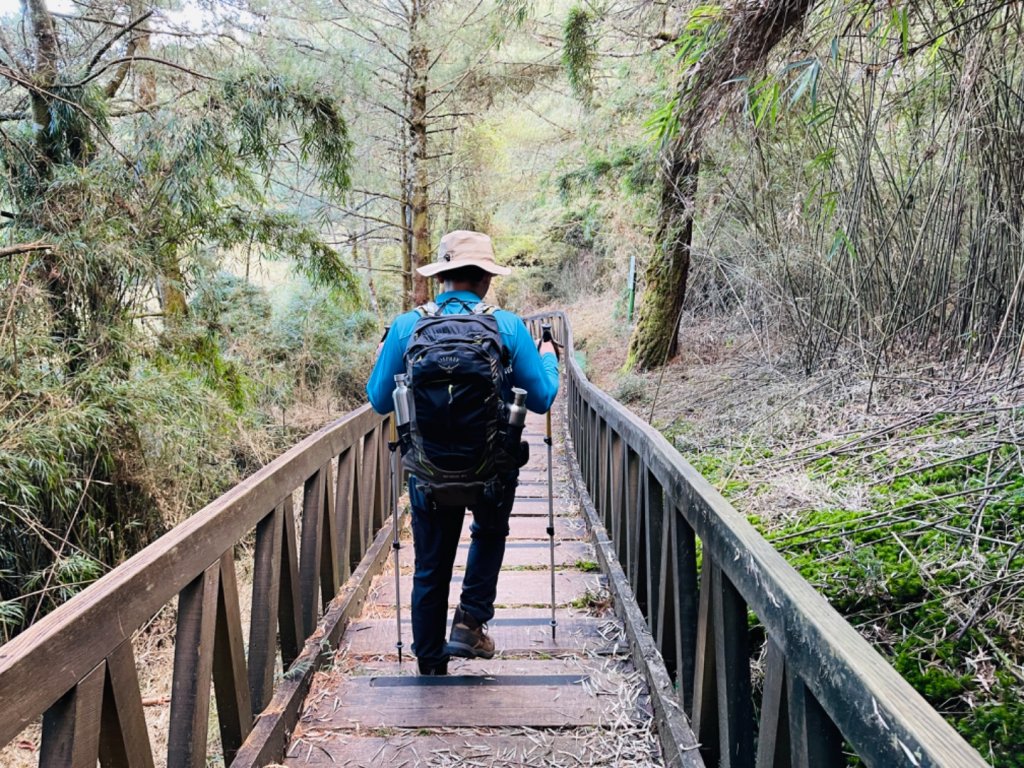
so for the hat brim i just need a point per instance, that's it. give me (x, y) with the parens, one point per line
(446, 266)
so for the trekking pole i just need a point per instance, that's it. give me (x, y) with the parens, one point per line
(546, 336)
(400, 419)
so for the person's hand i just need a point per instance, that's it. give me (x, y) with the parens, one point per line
(546, 346)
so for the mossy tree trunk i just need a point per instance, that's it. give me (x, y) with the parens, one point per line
(748, 35)
(419, 62)
(655, 339)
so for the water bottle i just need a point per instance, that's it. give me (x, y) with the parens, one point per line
(519, 450)
(517, 411)
(401, 399)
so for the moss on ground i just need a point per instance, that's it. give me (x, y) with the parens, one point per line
(927, 566)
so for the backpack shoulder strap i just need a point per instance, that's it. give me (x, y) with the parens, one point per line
(430, 309)
(484, 309)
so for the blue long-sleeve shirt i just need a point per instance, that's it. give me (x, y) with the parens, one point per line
(536, 373)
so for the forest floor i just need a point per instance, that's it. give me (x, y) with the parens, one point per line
(899, 495)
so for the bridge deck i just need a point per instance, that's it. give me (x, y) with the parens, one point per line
(575, 700)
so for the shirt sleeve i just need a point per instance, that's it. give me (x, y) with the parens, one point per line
(536, 373)
(389, 363)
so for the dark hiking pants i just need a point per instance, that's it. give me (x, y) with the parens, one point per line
(436, 531)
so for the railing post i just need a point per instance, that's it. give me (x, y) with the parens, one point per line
(732, 667)
(124, 739)
(193, 669)
(368, 494)
(773, 732)
(346, 499)
(617, 473)
(330, 573)
(638, 544)
(289, 612)
(814, 739)
(684, 562)
(71, 727)
(266, 591)
(705, 681)
(309, 552)
(382, 493)
(654, 544)
(230, 679)
(634, 494)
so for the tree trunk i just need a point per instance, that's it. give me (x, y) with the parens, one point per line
(655, 339)
(44, 76)
(419, 61)
(405, 212)
(172, 280)
(754, 29)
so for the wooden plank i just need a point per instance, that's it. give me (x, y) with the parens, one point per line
(309, 554)
(266, 590)
(532, 491)
(773, 733)
(86, 629)
(514, 588)
(124, 740)
(330, 572)
(266, 742)
(323, 750)
(289, 613)
(193, 670)
(478, 694)
(345, 499)
(520, 552)
(535, 527)
(538, 506)
(71, 727)
(705, 681)
(230, 678)
(814, 739)
(732, 667)
(512, 635)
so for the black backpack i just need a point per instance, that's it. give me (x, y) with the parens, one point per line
(459, 382)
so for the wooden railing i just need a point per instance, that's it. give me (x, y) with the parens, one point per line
(76, 667)
(825, 691)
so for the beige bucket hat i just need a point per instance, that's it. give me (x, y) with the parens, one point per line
(463, 248)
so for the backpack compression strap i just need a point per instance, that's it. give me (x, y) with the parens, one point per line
(430, 309)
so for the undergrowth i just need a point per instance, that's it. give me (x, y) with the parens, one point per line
(913, 533)
(97, 463)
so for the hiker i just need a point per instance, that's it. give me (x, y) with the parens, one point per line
(465, 266)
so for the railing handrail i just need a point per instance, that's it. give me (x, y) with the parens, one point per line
(882, 716)
(43, 663)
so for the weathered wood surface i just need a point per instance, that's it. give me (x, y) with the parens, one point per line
(534, 527)
(581, 688)
(318, 750)
(521, 553)
(75, 669)
(515, 588)
(516, 631)
(652, 506)
(523, 693)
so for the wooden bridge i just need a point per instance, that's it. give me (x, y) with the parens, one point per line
(651, 665)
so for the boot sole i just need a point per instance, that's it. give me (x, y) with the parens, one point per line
(464, 651)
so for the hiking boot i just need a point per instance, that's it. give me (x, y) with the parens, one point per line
(469, 637)
(432, 669)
